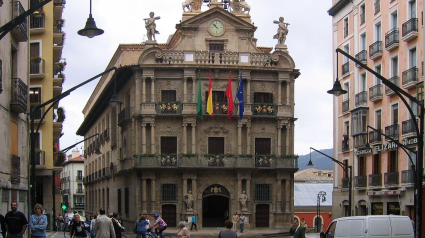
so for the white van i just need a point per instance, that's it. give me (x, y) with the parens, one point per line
(370, 227)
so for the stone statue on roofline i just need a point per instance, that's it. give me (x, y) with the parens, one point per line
(192, 5)
(282, 31)
(151, 26)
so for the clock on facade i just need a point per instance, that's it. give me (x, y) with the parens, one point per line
(216, 28)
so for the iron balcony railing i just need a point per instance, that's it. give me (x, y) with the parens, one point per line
(79, 205)
(392, 131)
(169, 108)
(345, 68)
(375, 137)
(37, 20)
(40, 158)
(261, 109)
(375, 180)
(407, 176)
(409, 27)
(345, 146)
(408, 126)
(123, 115)
(360, 140)
(362, 56)
(377, 6)
(375, 49)
(360, 98)
(395, 80)
(79, 178)
(360, 181)
(19, 98)
(20, 32)
(391, 179)
(79, 190)
(362, 18)
(37, 66)
(391, 38)
(345, 182)
(346, 105)
(375, 93)
(410, 76)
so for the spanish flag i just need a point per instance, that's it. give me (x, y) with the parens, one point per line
(209, 101)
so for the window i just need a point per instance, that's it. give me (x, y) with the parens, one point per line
(216, 145)
(262, 192)
(378, 31)
(392, 161)
(363, 83)
(263, 97)
(412, 58)
(119, 201)
(361, 166)
(393, 208)
(378, 119)
(412, 8)
(347, 129)
(378, 70)
(359, 122)
(345, 171)
(35, 95)
(394, 113)
(216, 47)
(376, 164)
(169, 192)
(362, 14)
(262, 146)
(168, 145)
(168, 95)
(346, 27)
(377, 208)
(377, 6)
(346, 88)
(394, 66)
(363, 41)
(394, 20)
(346, 50)
(126, 201)
(217, 97)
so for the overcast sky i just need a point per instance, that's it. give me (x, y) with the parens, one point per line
(309, 43)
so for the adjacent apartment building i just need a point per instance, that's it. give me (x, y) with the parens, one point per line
(72, 187)
(387, 36)
(46, 77)
(159, 156)
(14, 81)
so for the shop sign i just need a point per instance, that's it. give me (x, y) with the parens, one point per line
(385, 192)
(388, 146)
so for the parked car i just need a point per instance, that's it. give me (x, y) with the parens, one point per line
(369, 227)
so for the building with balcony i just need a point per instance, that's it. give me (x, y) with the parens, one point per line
(72, 187)
(46, 67)
(382, 177)
(14, 81)
(156, 148)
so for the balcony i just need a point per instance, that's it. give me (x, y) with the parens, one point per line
(59, 161)
(345, 146)
(409, 30)
(395, 80)
(168, 160)
(57, 130)
(18, 102)
(169, 108)
(360, 140)
(375, 93)
(345, 69)
(360, 181)
(407, 177)
(360, 99)
(345, 183)
(410, 78)
(58, 6)
(391, 179)
(375, 180)
(79, 190)
(40, 159)
(20, 32)
(362, 57)
(265, 110)
(37, 23)
(408, 128)
(37, 68)
(391, 39)
(345, 105)
(58, 34)
(217, 161)
(78, 178)
(79, 205)
(392, 131)
(375, 50)
(375, 137)
(123, 116)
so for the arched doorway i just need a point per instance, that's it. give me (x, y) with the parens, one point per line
(215, 206)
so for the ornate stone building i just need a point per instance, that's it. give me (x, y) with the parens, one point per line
(160, 157)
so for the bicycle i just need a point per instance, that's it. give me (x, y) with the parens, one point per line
(150, 233)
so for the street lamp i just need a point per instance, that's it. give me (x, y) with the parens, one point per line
(347, 169)
(419, 129)
(90, 30)
(321, 196)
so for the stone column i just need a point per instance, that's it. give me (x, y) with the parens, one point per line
(279, 195)
(288, 93)
(279, 139)
(184, 89)
(279, 92)
(152, 89)
(143, 137)
(239, 193)
(288, 195)
(248, 138)
(248, 91)
(138, 93)
(239, 138)
(193, 138)
(153, 196)
(152, 138)
(144, 192)
(185, 138)
(288, 143)
(143, 89)
(248, 189)
(194, 193)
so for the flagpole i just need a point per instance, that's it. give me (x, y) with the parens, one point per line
(236, 95)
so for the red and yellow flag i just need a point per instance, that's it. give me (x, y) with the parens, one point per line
(209, 100)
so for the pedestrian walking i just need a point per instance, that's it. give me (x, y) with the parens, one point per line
(242, 222)
(117, 225)
(38, 223)
(77, 227)
(92, 222)
(141, 226)
(103, 227)
(228, 232)
(194, 223)
(183, 231)
(16, 222)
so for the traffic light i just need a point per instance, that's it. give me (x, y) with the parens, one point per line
(63, 207)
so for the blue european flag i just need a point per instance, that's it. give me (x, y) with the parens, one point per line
(239, 95)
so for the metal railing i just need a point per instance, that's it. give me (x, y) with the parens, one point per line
(37, 66)
(40, 158)
(123, 115)
(360, 98)
(360, 181)
(360, 140)
(345, 146)
(410, 76)
(79, 190)
(409, 27)
(375, 137)
(362, 56)
(375, 49)
(79, 178)
(391, 38)
(375, 92)
(391, 178)
(345, 68)
(345, 182)
(375, 180)
(408, 126)
(346, 105)
(20, 31)
(37, 20)
(407, 176)
(395, 80)
(392, 131)
(19, 98)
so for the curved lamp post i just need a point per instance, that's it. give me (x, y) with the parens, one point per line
(321, 196)
(90, 30)
(419, 129)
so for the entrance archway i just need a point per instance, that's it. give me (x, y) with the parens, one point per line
(215, 206)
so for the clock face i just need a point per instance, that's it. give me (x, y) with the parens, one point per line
(216, 27)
